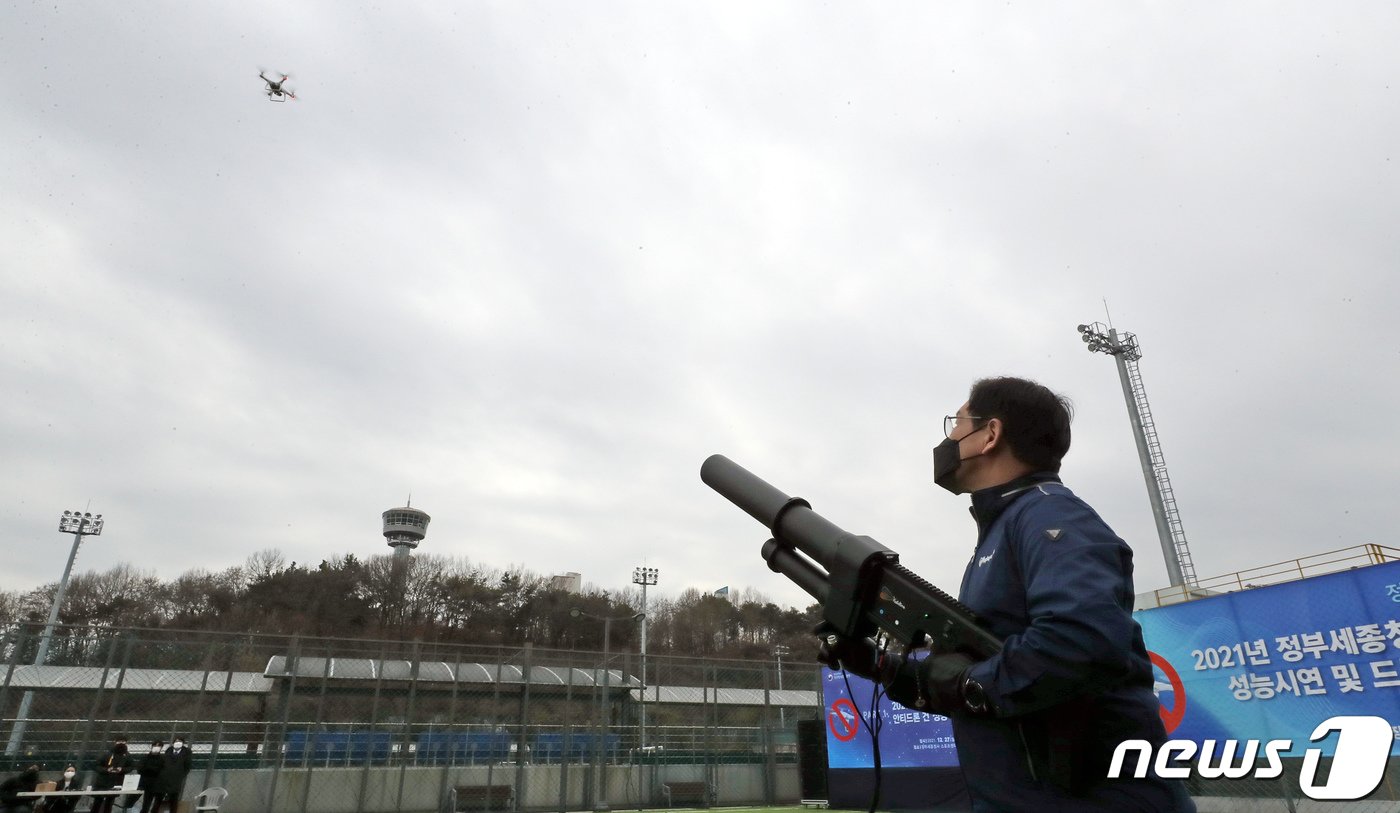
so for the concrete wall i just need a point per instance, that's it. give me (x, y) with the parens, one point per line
(338, 790)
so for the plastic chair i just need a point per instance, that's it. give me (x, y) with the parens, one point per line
(209, 799)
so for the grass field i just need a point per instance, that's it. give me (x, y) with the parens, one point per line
(790, 809)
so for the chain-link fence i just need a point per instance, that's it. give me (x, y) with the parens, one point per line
(298, 725)
(350, 726)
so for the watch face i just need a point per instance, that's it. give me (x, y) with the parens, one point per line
(974, 696)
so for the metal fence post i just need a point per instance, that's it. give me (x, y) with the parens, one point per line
(218, 728)
(643, 766)
(495, 717)
(286, 688)
(626, 713)
(20, 637)
(373, 727)
(308, 762)
(565, 749)
(711, 770)
(121, 679)
(523, 715)
(97, 695)
(414, 670)
(451, 718)
(595, 789)
(199, 701)
(770, 766)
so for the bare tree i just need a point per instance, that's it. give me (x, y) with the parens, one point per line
(266, 562)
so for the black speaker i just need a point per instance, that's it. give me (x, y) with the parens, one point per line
(811, 758)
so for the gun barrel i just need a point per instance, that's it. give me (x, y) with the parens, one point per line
(790, 519)
(863, 587)
(783, 559)
(745, 489)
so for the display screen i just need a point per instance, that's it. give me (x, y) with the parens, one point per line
(908, 738)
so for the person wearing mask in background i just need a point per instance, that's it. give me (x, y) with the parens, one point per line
(170, 784)
(69, 783)
(25, 782)
(149, 768)
(111, 769)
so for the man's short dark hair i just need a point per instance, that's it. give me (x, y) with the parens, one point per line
(1035, 421)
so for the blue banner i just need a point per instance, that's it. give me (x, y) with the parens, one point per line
(908, 738)
(1271, 663)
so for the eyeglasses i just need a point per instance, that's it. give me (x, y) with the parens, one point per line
(950, 423)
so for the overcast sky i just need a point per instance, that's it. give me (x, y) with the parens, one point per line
(534, 262)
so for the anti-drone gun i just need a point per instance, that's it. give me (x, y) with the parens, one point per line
(859, 582)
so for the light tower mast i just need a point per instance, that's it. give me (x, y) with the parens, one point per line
(645, 576)
(1125, 351)
(79, 525)
(404, 528)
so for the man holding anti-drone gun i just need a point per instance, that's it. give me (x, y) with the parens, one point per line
(1040, 665)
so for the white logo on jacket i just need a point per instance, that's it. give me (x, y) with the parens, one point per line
(985, 559)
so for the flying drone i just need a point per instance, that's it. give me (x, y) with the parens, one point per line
(275, 91)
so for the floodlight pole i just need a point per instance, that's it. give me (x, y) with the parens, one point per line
(780, 651)
(79, 525)
(1104, 339)
(601, 786)
(644, 576)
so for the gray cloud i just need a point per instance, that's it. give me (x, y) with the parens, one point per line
(534, 262)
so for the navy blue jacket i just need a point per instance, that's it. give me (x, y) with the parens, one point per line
(1073, 679)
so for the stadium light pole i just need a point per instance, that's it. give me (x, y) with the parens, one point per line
(780, 651)
(79, 524)
(1124, 349)
(599, 802)
(644, 576)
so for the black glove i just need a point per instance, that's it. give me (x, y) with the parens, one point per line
(936, 685)
(941, 678)
(859, 656)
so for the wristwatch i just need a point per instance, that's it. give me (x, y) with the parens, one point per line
(974, 696)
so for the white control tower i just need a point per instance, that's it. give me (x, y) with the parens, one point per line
(404, 528)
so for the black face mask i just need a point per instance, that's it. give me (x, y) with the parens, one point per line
(947, 458)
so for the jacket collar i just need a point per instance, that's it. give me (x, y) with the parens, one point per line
(988, 503)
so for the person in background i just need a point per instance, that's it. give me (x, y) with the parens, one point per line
(68, 783)
(170, 784)
(10, 800)
(111, 769)
(149, 768)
